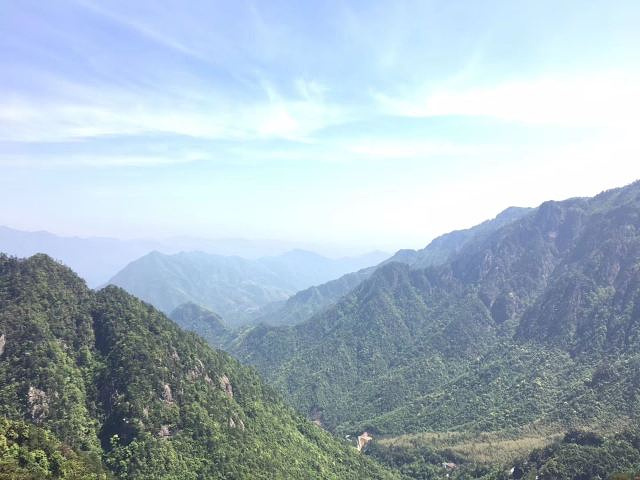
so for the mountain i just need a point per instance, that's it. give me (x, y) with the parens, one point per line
(528, 329)
(441, 248)
(94, 380)
(304, 304)
(233, 287)
(95, 259)
(207, 324)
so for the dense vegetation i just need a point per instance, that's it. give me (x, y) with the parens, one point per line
(108, 379)
(238, 289)
(577, 455)
(205, 323)
(31, 453)
(514, 354)
(304, 304)
(534, 325)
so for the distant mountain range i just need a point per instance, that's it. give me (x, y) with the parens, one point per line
(233, 287)
(97, 259)
(442, 248)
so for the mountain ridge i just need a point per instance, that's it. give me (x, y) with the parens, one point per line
(110, 376)
(234, 287)
(470, 344)
(304, 304)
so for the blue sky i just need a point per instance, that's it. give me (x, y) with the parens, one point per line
(363, 124)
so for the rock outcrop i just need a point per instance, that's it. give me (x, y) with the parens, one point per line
(225, 384)
(167, 396)
(38, 404)
(363, 440)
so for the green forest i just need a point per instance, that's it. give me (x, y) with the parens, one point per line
(525, 333)
(109, 384)
(516, 357)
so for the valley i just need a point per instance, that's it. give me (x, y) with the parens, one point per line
(320, 240)
(510, 343)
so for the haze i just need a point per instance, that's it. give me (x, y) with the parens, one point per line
(347, 123)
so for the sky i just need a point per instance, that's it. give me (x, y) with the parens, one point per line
(356, 123)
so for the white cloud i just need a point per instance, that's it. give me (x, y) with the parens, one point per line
(592, 100)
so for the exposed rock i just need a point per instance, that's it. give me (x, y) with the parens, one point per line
(198, 371)
(225, 384)
(316, 417)
(38, 403)
(363, 440)
(164, 432)
(3, 342)
(166, 393)
(236, 424)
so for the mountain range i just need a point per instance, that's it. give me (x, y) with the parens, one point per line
(237, 289)
(97, 259)
(524, 330)
(507, 350)
(304, 304)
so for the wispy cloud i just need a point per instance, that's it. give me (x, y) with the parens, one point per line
(98, 160)
(251, 104)
(416, 149)
(120, 113)
(590, 100)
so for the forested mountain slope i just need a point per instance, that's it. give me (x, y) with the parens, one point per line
(111, 378)
(207, 324)
(535, 323)
(304, 304)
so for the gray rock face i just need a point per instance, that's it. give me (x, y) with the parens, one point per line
(167, 396)
(225, 384)
(38, 404)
